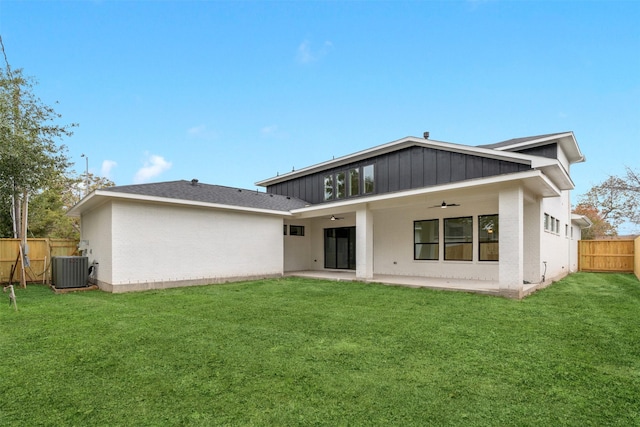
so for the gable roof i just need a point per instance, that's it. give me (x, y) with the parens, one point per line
(517, 141)
(399, 144)
(193, 193)
(565, 139)
(505, 151)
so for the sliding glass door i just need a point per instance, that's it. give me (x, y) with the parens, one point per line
(340, 248)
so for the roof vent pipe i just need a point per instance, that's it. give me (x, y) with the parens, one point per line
(426, 135)
(194, 182)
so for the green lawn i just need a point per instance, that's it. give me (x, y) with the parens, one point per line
(310, 352)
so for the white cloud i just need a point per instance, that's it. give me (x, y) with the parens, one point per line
(154, 165)
(269, 130)
(307, 55)
(107, 166)
(201, 131)
(196, 130)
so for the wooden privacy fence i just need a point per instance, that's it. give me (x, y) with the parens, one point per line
(636, 268)
(40, 251)
(606, 255)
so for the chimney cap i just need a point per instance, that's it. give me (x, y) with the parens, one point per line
(426, 135)
(194, 181)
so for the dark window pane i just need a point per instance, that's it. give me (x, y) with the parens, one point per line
(426, 238)
(488, 228)
(296, 230)
(426, 251)
(368, 177)
(328, 187)
(458, 239)
(341, 185)
(354, 182)
(489, 237)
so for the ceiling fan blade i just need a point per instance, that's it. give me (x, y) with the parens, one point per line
(444, 205)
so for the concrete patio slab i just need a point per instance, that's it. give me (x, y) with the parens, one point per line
(476, 286)
(462, 285)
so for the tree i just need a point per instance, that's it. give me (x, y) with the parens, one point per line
(600, 228)
(632, 187)
(615, 200)
(47, 213)
(30, 157)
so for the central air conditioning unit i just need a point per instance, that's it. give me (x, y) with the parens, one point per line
(69, 271)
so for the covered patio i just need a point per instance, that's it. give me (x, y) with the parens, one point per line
(462, 285)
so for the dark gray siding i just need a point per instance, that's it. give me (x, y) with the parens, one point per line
(406, 169)
(549, 151)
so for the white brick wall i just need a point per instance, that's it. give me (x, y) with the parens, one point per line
(511, 239)
(393, 240)
(95, 229)
(156, 245)
(556, 246)
(297, 249)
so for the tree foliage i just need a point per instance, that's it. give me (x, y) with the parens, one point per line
(612, 202)
(31, 157)
(48, 208)
(601, 228)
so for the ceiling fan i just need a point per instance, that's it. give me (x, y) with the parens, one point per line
(444, 205)
(335, 218)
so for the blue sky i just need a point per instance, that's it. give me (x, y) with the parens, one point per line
(235, 92)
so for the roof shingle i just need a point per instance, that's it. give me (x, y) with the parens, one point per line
(207, 193)
(515, 141)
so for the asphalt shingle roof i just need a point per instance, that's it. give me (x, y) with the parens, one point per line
(207, 193)
(518, 140)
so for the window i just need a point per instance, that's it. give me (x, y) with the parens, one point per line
(296, 230)
(351, 183)
(488, 238)
(458, 239)
(328, 187)
(341, 185)
(340, 248)
(551, 224)
(547, 223)
(368, 179)
(354, 182)
(425, 239)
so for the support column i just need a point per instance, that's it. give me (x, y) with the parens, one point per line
(364, 243)
(511, 264)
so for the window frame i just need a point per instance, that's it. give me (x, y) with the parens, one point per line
(466, 244)
(435, 243)
(368, 186)
(495, 233)
(328, 187)
(349, 183)
(547, 223)
(299, 230)
(350, 191)
(340, 186)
